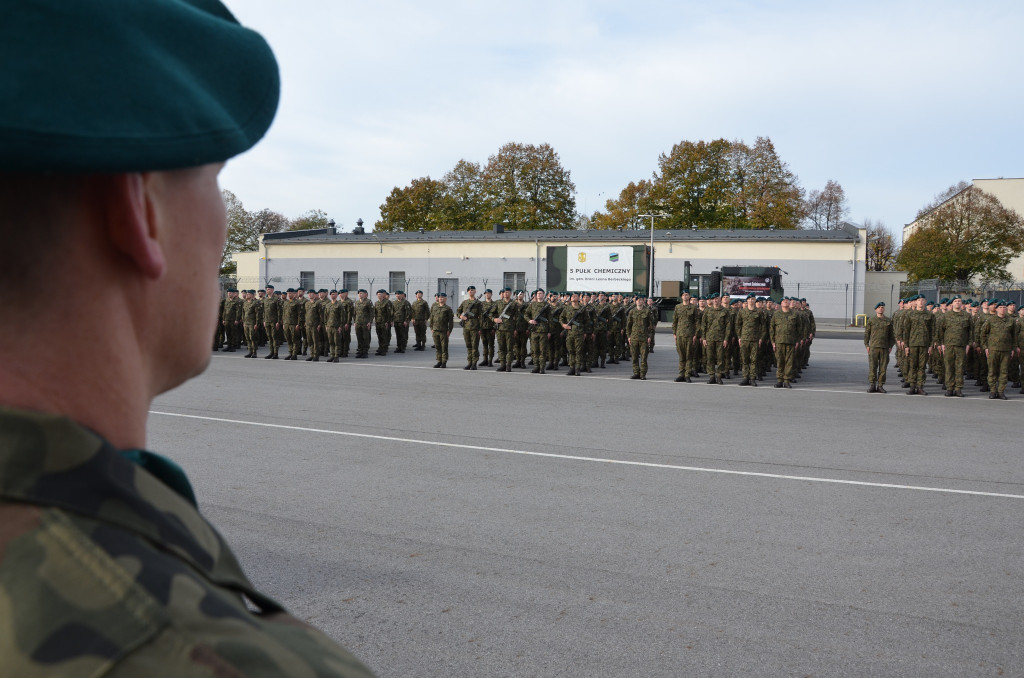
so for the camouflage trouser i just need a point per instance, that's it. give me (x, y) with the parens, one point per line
(344, 341)
(981, 365)
(290, 336)
(487, 343)
(915, 373)
(271, 337)
(686, 347)
(331, 334)
(312, 340)
(998, 365)
(234, 335)
(401, 335)
(878, 361)
(421, 332)
(618, 344)
(954, 358)
(638, 350)
(252, 339)
(383, 337)
(362, 339)
(574, 345)
(714, 357)
(555, 347)
(748, 358)
(441, 346)
(472, 339)
(506, 347)
(261, 334)
(784, 357)
(538, 347)
(521, 345)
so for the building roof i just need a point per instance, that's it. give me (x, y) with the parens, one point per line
(846, 233)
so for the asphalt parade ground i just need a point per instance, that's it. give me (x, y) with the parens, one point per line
(476, 523)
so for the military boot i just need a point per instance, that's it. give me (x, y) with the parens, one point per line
(745, 382)
(680, 378)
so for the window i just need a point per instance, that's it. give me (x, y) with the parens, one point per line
(396, 281)
(515, 280)
(350, 280)
(307, 279)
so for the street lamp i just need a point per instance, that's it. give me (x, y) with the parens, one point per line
(650, 264)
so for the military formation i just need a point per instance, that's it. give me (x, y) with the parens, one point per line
(547, 330)
(954, 339)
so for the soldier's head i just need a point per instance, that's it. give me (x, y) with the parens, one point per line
(262, 294)
(880, 309)
(442, 298)
(471, 292)
(921, 303)
(958, 304)
(603, 298)
(419, 295)
(400, 294)
(334, 295)
(343, 294)
(362, 294)
(574, 298)
(751, 302)
(270, 290)
(784, 305)
(322, 294)
(290, 294)
(487, 294)
(539, 295)
(381, 294)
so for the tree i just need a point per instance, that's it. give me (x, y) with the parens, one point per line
(419, 205)
(964, 233)
(312, 219)
(768, 193)
(624, 212)
(466, 205)
(696, 185)
(881, 247)
(826, 209)
(527, 188)
(245, 229)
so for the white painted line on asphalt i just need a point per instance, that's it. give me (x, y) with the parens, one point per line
(570, 457)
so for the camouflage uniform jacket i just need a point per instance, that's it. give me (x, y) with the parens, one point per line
(108, 568)
(685, 321)
(250, 312)
(639, 323)
(419, 311)
(442, 318)
(918, 328)
(271, 310)
(785, 328)
(363, 311)
(879, 333)
(383, 312)
(312, 315)
(955, 329)
(402, 311)
(509, 312)
(999, 334)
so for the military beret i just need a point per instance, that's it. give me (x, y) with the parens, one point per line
(419, 291)
(751, 296)
(333, 292)
(361, 290)
(270, 287)
(399, 292)
(343, 291)
(442, 294)
(1000, 303)
(382, 291)
(291, 289)
(113, 86)
(538, 290)
(471, 287)
(488, 291)
(321, 290)
(300, 289)
(880, 304)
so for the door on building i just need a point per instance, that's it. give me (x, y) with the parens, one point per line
(449, 286)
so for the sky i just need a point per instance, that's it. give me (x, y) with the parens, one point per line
(894, 100)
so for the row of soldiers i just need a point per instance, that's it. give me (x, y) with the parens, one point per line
(953, 339)
(318, 323)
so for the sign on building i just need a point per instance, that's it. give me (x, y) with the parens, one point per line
(600, 269)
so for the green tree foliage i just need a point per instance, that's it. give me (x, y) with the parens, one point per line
(421, 204)
(881, 247)
(528, 188)
(245, 229)
(965, 233)
(712, 184)
(311, 219)
(522, 186)
(634, 200)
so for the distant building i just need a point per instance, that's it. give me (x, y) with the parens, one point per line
(825, 267)
(1010, 192)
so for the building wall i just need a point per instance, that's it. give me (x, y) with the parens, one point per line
(830, 275)
(882, 286)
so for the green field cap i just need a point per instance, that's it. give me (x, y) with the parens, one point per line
(117, 86)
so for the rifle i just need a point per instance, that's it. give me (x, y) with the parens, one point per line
(504, 312)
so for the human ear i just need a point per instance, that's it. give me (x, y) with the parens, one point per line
(133, 222)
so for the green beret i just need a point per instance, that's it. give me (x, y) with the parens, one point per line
(397, 292)
(419, 291)
(442, 294)
(343, 291)
(880, 304)
(382, 291)
(270, 287)
(751, 296)
(361, 290)
(488, 291)
(114, 86)
(471, 287)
